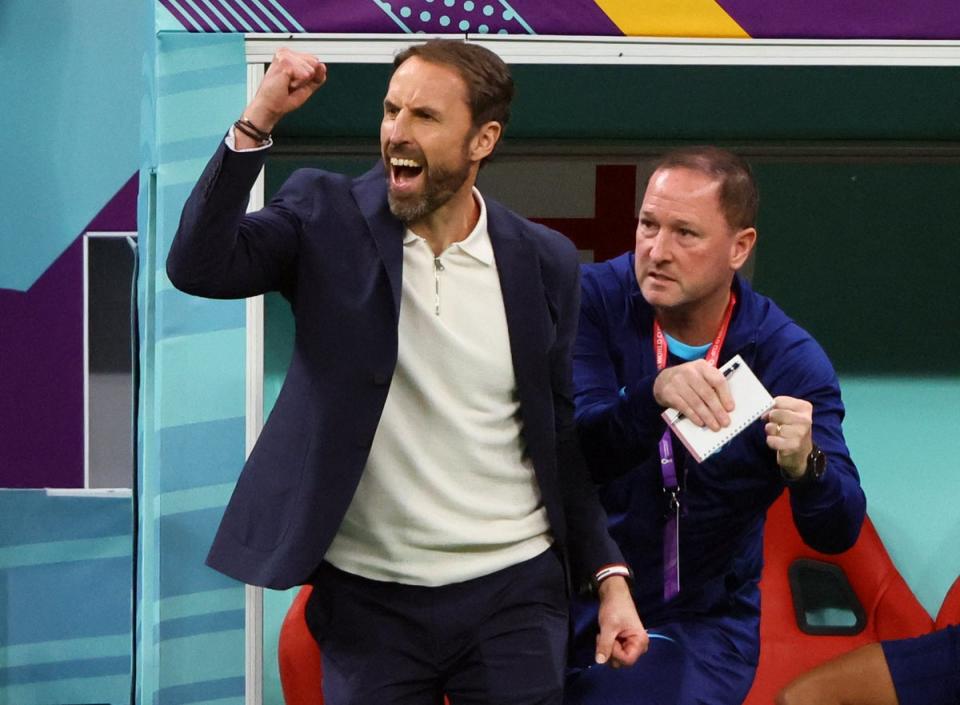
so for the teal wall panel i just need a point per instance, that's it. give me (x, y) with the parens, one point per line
(186, 315)
(212, 445)
(66, 598)
(215, 358)
(192, 399)
(74, 137)
(903, 435)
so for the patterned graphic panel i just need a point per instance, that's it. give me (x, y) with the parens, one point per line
(671, 18)
(78, 94)
(822, 19)
(43, 360)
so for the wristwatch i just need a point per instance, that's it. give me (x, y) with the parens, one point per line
(816, 467)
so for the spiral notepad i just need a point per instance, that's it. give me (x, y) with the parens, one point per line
(751, 400)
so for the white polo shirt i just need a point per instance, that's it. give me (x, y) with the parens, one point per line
(447, 493)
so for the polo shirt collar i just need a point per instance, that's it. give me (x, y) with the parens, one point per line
(476, 244)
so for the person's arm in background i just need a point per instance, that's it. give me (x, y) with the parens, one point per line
(618, 426)
(922, 670)
(860, 677)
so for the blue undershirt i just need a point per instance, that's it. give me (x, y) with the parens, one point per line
(685, 352)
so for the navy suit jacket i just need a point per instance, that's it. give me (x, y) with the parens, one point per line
(331, 246)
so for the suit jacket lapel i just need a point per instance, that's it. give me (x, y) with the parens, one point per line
(370, 192)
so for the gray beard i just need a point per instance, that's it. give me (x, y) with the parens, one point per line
(440, 188)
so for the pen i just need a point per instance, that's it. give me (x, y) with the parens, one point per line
(734, 366)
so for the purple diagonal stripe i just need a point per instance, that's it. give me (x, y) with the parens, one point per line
(249, 9)
(576, 17)
(846, 19)
(205, 16)
(179, 16)
(228, 10)
(201, 15)
(337, 16)
(225, 23)
(279, 16)
(200, 18)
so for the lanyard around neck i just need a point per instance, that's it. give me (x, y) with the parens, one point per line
(668, 468)
(713, 354)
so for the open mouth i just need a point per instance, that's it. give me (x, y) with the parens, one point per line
(403, 172)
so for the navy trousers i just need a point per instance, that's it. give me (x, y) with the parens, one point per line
(710, 661)
(497, 640)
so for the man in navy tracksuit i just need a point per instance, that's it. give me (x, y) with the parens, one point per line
(655, 324)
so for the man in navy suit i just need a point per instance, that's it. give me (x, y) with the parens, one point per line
(420, 467)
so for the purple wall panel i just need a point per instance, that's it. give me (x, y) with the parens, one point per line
(41, 365)
(120, 214)
(846, 19)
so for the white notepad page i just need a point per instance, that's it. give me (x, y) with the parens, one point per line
(750, 398)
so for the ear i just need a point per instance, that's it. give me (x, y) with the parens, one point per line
(741, 246)
(484, 140)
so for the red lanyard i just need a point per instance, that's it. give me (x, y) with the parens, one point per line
(668, 469)
(713, 354)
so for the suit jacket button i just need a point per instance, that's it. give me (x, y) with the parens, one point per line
(381, 378)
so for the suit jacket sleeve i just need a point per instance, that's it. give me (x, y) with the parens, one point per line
(218, 251)
(590, 545)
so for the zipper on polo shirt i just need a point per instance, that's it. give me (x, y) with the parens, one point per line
(437, 268)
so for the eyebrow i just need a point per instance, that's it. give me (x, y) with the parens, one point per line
(424, 110)
(420, 110)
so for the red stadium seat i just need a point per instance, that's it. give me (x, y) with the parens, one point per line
(301, 670)
(890, 609)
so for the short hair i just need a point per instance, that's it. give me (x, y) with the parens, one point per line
(489, 83)
(739, 196)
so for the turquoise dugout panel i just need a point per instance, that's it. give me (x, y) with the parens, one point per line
(191, 636)
(66, 583)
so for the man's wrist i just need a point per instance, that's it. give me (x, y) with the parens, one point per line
(812, 470)
(616, 584)
(264, 119)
